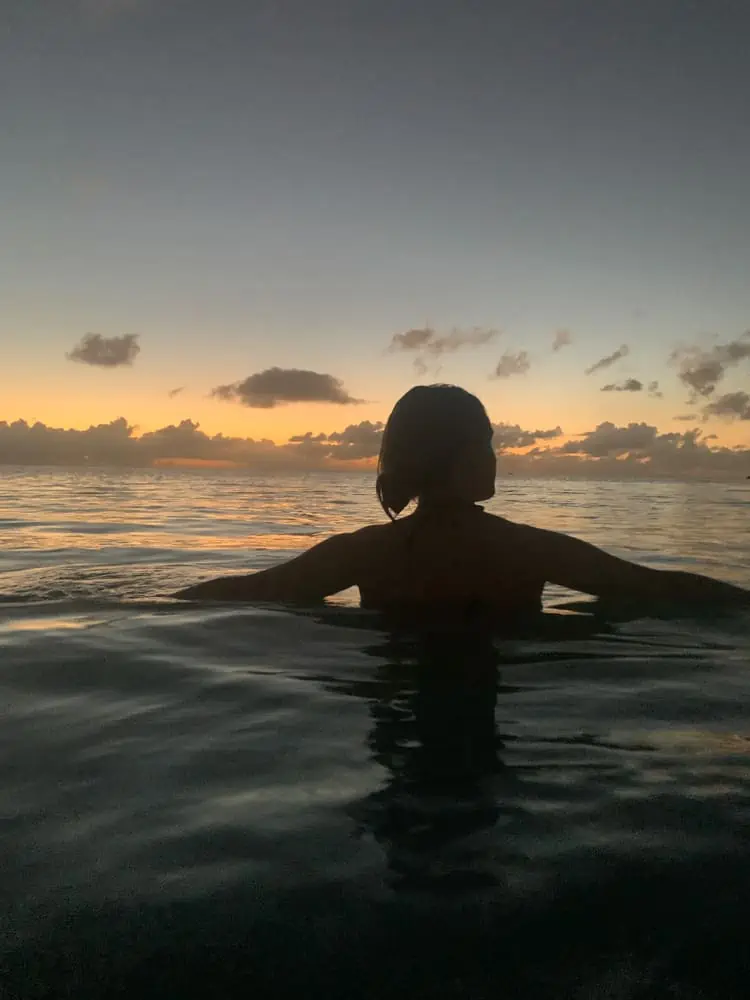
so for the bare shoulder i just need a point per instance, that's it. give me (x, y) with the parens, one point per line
(370, 535)
(505, 531)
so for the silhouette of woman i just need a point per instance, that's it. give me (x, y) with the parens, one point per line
(450, 555)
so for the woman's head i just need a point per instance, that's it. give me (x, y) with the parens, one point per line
(437, 445)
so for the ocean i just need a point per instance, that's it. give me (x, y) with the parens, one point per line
(220, 801)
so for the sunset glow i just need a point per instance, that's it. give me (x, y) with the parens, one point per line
(287, 267)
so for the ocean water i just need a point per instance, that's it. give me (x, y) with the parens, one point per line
(221, 801)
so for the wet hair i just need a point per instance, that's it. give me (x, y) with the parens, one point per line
(428, 429)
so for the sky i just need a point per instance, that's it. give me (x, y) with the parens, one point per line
(291, 212)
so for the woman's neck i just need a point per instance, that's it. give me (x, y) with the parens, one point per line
(426, 505)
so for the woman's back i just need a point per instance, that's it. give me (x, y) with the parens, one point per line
(460, 558)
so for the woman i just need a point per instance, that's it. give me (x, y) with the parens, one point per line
(451, 554)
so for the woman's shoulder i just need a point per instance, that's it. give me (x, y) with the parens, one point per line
(374, 534)
(504, 526)
(506, 533)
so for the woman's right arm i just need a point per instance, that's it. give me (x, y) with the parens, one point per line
(570, 562)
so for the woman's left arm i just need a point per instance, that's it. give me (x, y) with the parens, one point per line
(326, 568)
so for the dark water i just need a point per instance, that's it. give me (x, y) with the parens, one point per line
(228, 802)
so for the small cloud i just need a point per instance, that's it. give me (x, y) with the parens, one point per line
(609, 360)
(512, 363)
(105, 352)
(654, 391)
(308, 438)
(411, 340)
(563, 338)
(176, 392)
(425, 342)
(701, 369)
(457, 339)
(277, 386)
(686, 416)
(732, 405)
(629, 385)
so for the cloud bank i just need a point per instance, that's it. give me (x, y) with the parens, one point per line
(278, 386)
(632, 450)
(105, 352)
(608, 360)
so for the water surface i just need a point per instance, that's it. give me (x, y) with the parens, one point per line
(215, 800)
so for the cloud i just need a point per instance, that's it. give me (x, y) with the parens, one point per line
(175, 392)
(562, 339)
(608, 439)
(609, 360)
(513, 436)
(512, 363)
(277, 386)
(686, 416)
(105, 352)
(429, 346)
(457, 339)
(37, 444)
(701, 369)
(638, 449)
(309, 438)
(629, 385)
(357, 441)
(411, 340)
(733, 405)
(361, 440)
(634, 385)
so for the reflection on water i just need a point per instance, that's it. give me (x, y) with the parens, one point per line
(432, 704)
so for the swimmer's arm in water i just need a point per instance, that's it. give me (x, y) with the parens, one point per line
(324, 569)
(570, 562)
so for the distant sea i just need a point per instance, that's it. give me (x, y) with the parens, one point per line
(258, 802)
